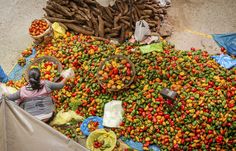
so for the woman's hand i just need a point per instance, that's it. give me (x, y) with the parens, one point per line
(69, 73)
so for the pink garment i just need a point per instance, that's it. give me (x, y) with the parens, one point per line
(25, 94)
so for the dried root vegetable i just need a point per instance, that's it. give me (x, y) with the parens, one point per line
(106, 21)
(101, 31)
(78, 29)
(54, 19)
(61, 8)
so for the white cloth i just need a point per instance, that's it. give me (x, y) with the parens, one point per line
(19, 131)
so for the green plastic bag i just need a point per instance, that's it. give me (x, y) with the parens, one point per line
(152, 47)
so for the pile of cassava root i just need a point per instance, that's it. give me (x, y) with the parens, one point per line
(118, 21)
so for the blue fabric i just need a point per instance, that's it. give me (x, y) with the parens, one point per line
(225, 61)
(84, 126)
(135, 145)
(17, 72)
(3, 76)
(154, 148)
(138, 146)
(228, 41)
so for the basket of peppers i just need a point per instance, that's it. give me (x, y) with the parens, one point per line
(49, 66)
(116, 73)
(41, 30)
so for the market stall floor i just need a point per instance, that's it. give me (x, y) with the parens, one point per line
(16, 16)
(192, 20)
(195, 20)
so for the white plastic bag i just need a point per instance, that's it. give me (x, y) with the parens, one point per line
(113, 114)
(141, 30)
(163, 3)
(69, 73)
(6, 90)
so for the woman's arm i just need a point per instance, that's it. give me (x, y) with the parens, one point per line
(14, 96)
(56, 85)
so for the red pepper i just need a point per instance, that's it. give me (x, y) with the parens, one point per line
(94, 47)
(114, 97)
(169, 102)
(128, 65)
(210, 120)
(88, 90)
(182, 107)
(128, 72)
(161, 121)
(167, 116)
(73, 95)
(187, 112)
(222, 49)
(161, 113)
(154, 120)
(210, 132)
(125, 104)
(149, 116)
(231, 105)
(115, 71)
(219, 139)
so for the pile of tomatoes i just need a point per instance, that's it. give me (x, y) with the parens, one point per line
(38, 27)
(116, 73)
(203, 119)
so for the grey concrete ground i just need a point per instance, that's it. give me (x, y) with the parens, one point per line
(15, 18)
(191, 19)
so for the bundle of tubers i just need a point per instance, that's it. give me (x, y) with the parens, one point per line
(117, 21)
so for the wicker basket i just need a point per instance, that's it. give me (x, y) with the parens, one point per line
(110, 58)
(39, 60)
(48, 34)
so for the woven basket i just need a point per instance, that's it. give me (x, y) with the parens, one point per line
(47, 33)
(39, 60)
(110, 58)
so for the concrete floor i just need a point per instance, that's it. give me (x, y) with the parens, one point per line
(15, 19)
(192, 19)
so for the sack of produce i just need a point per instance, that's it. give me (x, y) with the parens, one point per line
(101, 140)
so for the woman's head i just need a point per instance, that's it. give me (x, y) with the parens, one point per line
(34, 78)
